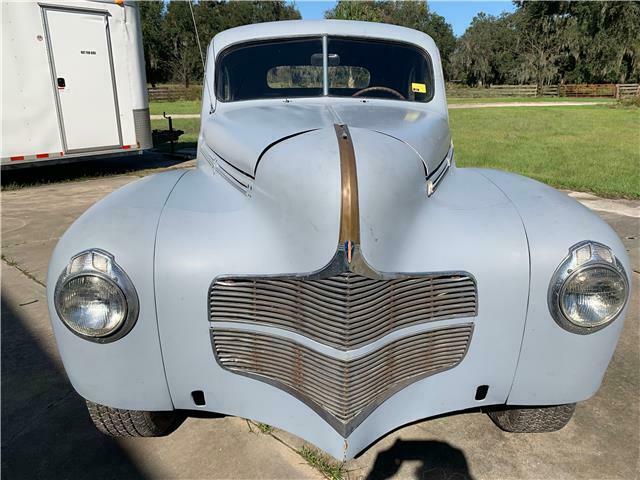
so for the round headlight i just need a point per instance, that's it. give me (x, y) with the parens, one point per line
(593, 296)
(95, 299)
(589, 289)
(91, 305)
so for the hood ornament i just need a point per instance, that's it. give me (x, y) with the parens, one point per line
(348, 249)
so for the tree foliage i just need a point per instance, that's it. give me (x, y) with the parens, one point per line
(541, 42)
(151, 20)
(170, 44)
(412, 14)
(552, 42)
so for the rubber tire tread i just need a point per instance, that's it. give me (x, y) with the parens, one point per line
(533, 419)
(117, 422)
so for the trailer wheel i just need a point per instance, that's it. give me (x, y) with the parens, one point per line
(532, 419)
(117, 422)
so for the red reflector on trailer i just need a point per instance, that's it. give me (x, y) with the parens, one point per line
(42, 155)
(18, 157)
(126, 147)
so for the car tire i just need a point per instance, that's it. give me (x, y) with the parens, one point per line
(532, 419)
(116, 422)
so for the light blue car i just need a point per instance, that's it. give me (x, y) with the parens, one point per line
(326, 268)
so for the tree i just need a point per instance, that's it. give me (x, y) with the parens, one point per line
(184, 57)
(578, 41)
(607, 46)
(151, 21)
(413, 14)
(485, 54)
(170, 44)
(542, 39)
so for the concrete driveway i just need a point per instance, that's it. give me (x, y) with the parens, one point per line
(46, 432)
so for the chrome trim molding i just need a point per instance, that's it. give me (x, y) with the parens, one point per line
(349, 209)
(236, 178)
(435, 177)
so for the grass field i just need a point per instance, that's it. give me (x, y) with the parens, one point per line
(180, 106)
(594, 149)
(587, 148)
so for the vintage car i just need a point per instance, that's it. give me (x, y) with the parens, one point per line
(326, 268)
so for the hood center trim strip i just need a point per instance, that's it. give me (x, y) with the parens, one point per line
(349, 209)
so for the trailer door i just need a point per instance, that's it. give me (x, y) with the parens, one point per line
(83, 78)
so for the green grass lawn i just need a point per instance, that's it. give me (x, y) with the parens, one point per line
(590, 148)
(179, 106)
(459, 100)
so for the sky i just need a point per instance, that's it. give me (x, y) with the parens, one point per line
(458, 13)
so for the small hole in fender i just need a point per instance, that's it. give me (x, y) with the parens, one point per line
(198, 398)
(481, 392)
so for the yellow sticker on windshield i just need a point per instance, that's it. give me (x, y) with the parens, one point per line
(418, 88)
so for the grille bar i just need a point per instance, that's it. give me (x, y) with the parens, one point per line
(344, 392)
(345, 311)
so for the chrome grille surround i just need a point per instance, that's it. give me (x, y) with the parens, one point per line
(345, 310)
(345, 306)
(342, 391)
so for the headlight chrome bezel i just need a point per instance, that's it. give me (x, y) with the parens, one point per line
(582, 257)
(101, 264)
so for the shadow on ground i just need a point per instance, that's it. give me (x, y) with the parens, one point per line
(46, 430)
(437, 461)
(91, 168)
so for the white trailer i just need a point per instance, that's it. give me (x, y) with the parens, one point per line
(73, 81)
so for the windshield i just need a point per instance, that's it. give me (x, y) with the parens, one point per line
(294, 68)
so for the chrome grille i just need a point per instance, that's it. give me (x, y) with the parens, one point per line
(345, 311)
(342, 391)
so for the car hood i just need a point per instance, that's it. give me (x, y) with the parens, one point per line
(242, 135)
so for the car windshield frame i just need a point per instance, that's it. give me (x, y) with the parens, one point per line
(325, 87)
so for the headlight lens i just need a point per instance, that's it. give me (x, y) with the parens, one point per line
(589, 289)
(92, 305)
(593, 296)
(95, 299)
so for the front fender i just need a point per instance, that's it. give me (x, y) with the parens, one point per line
(128, 373)
(556, 366)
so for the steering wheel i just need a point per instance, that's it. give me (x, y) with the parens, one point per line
(393, 92)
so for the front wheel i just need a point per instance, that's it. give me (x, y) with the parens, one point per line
(532, 419)
(117, 422)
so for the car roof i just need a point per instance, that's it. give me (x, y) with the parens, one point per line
(305, 28)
